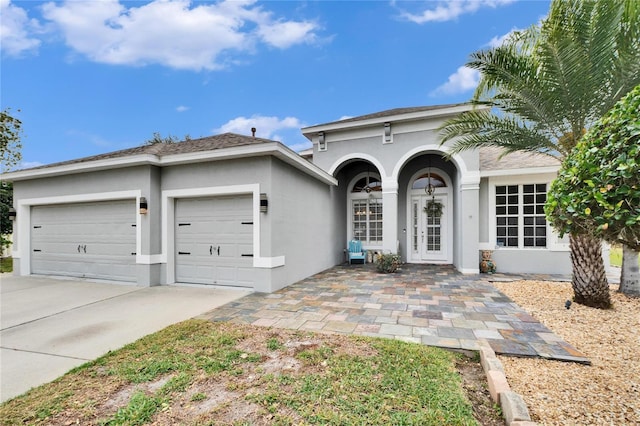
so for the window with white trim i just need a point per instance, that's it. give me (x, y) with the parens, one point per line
(520, 219)
(366, 210)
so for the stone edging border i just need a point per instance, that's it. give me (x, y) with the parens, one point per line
(514, 410)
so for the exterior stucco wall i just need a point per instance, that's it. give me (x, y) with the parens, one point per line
(532, 261)
(303, 227)
(483, 221)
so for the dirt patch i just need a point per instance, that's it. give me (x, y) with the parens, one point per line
(559, 393)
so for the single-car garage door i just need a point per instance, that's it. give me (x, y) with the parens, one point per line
(214, 241)
(92, 240)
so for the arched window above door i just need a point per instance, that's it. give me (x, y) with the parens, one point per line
(367, 184)
(422, 181)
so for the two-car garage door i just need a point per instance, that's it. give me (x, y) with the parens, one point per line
(92, 240)
(214, 241)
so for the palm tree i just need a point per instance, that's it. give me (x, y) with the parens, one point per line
(544, 87)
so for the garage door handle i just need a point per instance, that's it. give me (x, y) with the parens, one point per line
(218, 250)
(210, 250)
(79, 248)
(84, 248)
(184, 252)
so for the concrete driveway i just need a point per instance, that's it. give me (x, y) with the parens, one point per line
(49, 326)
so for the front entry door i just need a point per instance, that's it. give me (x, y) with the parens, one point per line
(429, 233)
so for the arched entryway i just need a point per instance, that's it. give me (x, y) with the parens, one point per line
(430, 207)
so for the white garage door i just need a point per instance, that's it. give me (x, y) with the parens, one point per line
(92, 240)
(214, 241)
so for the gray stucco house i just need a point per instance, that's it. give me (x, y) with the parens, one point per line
(242, 211)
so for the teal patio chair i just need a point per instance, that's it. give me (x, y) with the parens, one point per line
(356, 252)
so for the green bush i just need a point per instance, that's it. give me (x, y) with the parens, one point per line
(388, 263)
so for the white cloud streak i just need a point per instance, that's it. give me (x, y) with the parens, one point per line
(180, 34)
(451, 10)
(463, 80)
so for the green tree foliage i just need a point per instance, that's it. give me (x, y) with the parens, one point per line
(6, 201)
(10, 145)
(158, 138)
(598, 187)
(544, 87)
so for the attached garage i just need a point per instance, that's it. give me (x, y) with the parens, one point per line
(214, 241)
(227, 210)
(91, 240)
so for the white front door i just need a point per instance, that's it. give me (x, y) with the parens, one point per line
(429, 233)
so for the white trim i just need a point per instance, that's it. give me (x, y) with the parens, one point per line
(469, 271)
(351, 197)
(426, 149)
(276, 149)
(308, 132)
(519, 172)
(168, 220)
(552, 236)
(447, 193)
(268, 262)
(358, 156)
(23, 219)
(149, 259)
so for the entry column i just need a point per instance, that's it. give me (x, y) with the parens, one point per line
(390, 215)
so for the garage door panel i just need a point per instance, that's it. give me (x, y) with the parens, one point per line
(94, 240)
(217, 232)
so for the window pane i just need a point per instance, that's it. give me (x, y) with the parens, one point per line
(501, 189)
(527, 189)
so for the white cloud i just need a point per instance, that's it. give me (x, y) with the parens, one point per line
(497, 41)
(266, 127)
(463, 80)
(176, 33)
(450, 10)
(182, 108)
(16, 30)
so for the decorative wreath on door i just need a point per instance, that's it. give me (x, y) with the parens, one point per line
(434, 208)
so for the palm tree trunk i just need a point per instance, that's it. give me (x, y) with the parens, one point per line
(589, 280)
(630, 275)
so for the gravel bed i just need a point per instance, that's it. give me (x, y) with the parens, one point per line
(560, 393)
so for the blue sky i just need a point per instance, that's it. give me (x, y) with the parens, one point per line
(96, 76)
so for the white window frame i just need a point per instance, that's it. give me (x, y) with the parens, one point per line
(351, 197)
(554, 242)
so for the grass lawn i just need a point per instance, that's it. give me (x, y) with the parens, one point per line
(202, 373)
(6, 264)
(615, 256)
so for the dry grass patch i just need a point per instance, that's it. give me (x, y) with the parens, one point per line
(201, 373)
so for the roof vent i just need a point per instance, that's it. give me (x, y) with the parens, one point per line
(253, 132)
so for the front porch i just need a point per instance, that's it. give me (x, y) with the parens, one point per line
(427, 304)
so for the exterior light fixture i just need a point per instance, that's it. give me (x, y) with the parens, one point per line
(322, 144)
(264, 203)
(12, 213)
(143, 205)
(387, 132)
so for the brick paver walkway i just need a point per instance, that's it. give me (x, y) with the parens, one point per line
(432, 305)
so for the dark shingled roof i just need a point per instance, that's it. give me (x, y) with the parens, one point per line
(490, 160)
(209, 143)
(395, 111)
